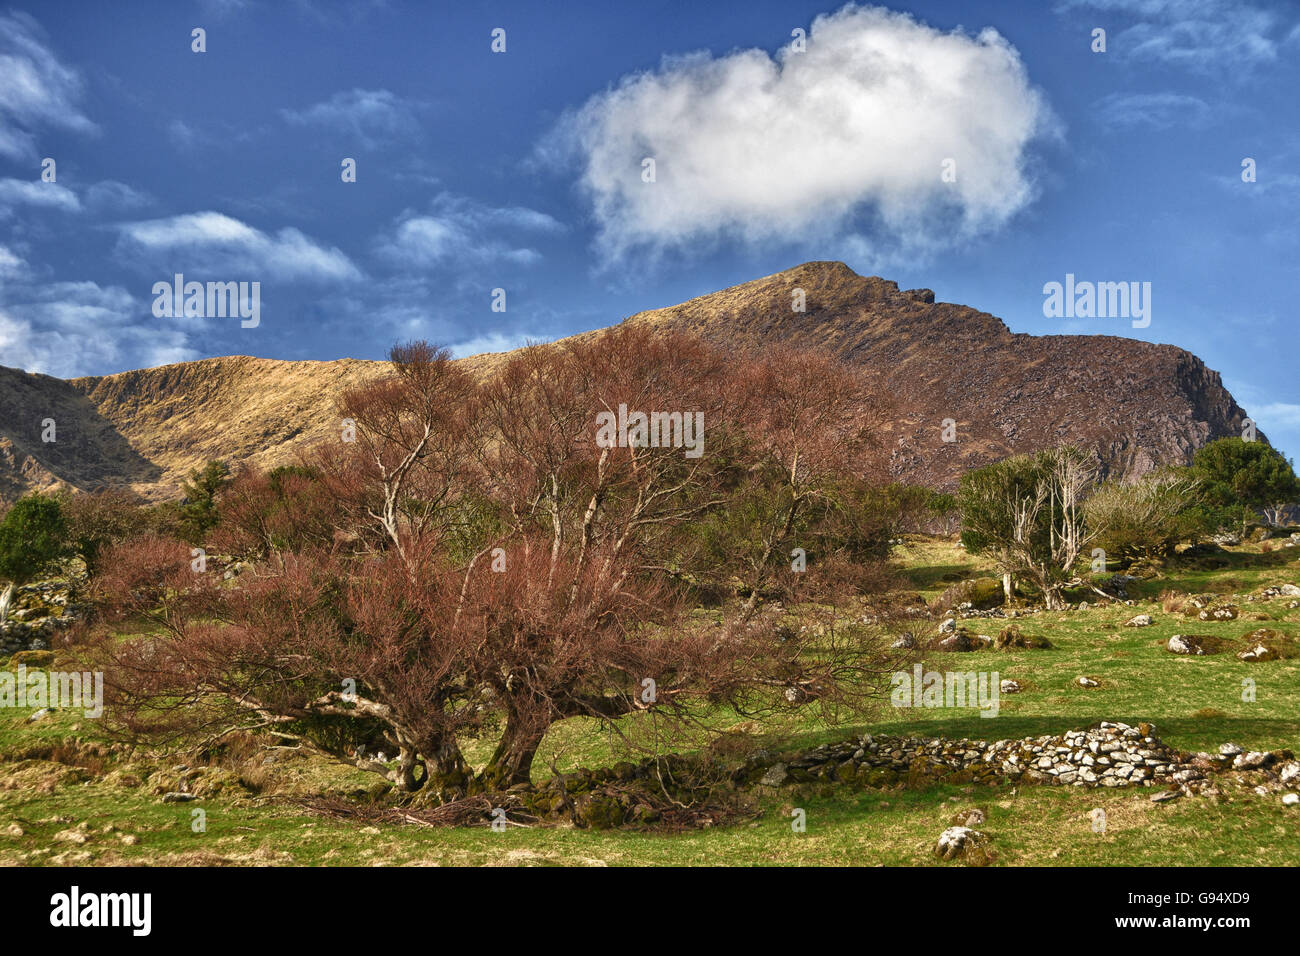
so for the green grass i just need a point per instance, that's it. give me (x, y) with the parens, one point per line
(51, 781)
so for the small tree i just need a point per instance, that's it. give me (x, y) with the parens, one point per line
(32, 535)
(498, 565)
(1242, 478)
(199, 510)
(986, 499)
(1028, 513)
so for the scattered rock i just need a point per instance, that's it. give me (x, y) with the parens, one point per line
(963, 641)
(1219, 612)
(1195, 644)
(177, 796)
(1164, 796)
(1251, 760)
(956, 842)
(1258, 653)
(1009, 686)
(1290, 799)
(973, 817)
(1011, 638)
(1087, 682)
(1141, 620)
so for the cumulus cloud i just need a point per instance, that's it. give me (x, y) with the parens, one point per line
(36, 90)
(81, 328)
(222, 246)
(460, 231)
(813, 145)
(367, 115)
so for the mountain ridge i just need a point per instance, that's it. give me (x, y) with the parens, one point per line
(1136, 404)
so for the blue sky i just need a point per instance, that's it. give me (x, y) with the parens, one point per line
(522, 170)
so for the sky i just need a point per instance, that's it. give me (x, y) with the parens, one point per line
(502, 192)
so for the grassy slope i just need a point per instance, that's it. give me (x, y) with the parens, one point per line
(1195, 702)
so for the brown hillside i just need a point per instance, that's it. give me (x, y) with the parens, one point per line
(1135, 404)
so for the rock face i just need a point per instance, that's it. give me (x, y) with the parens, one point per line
(1133, 404)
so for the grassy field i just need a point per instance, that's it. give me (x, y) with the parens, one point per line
(66, 798)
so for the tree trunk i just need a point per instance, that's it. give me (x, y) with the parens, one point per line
(1053, 598)
(512, 762)
(1008, 588)
(6, 598)
(449, 773)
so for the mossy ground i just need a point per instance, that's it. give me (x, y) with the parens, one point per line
(55, 780)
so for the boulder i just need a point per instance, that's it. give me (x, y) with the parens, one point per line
(1258, 653)
(971, 818)
(963, 641)
(957, 842)
(1141, 620)
(1219, 612)
(1010, 638)
(1194, 644)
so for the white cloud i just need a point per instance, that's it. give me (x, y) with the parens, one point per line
(489, 342)
(216, 244)
(79, 328)
(799, 146)
(32, 192)
(1202, 35)
(112, 196)
(36, 90)
(367, 115)
(11, 264)
(460, 231)
(1158, 110)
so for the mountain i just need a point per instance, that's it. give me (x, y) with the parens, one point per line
(1137, 405)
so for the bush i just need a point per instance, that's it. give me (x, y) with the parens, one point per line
(32, 535)
(1147, 518)
(1241, 478)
